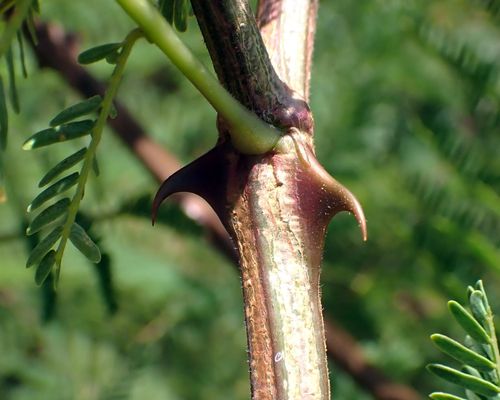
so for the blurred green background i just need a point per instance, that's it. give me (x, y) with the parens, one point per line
(406, 99)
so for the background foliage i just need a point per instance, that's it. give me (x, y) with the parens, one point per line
(406, 101)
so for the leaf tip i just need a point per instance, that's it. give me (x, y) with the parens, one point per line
(28, 145)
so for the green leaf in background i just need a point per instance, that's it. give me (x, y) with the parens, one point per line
(41, 249)
(98, 53)
(477, 385)
(4, 117)
(461, 353)
(43, 269)
(468, 323)
(59, 187)
(167, 9)
(3, 194)
(48, 216)
(180, 15)
(70, 131)
(30, 24)
(62, 166)
(77, 110)
(14, 99)
(22, 57)
(84, 243)
(444, 396)
(95, 167)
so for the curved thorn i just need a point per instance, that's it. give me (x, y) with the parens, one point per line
(332, 194)
(345, 201)
(204, 176)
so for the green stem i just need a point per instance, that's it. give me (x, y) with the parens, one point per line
(494, 342)
(106, 107)
(249, 134)
(14, 23)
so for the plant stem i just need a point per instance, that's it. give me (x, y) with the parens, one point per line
(20, 12)
(249, 134)
(287, 28)
(243, 66)
(106, 107)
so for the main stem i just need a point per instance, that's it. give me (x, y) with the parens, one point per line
(279, 243)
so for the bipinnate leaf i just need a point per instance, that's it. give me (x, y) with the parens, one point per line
(477, 306)
(444, 396)
(57, 188)
(62, 133)
(468, 323)
(473, 383)
(98, 53)
(62, 166)
(84, 243)
(4, 120)
(44, 246)
(77, 110)
(48, 216)
(461, 353)
(43, 269)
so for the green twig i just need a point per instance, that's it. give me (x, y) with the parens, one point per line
(106, 108)
(249, 134)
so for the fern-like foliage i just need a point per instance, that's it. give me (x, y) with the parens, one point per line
(479, 356)
(13, 15)
(57, 220)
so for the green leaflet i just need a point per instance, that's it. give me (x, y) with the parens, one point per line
(98, 53)
(4, 117)
(444, 396)
(3, 194)
(477, 306)
(180, 15)
(95, 167)
(468, 323)
(462, 353)
(43, 247)
(48, 216)
(473, 383)
(113, 112)
(57, 188)
(62, 166)
(480, 287)
(176, 12)
(167, 9)
(30, 24)
(62, 133)
(472, 396)
(77, 110)
(22, 57)
(14, 100)
(45, 266)
(84, 243)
